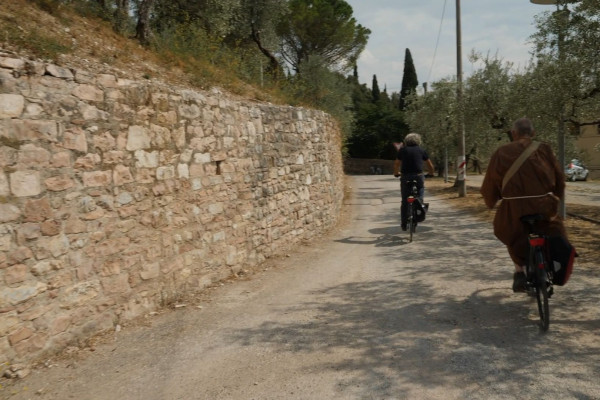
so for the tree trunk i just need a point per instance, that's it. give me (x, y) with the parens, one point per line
(142, 30)
(121, 16)
(274, 67)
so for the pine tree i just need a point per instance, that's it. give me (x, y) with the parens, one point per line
(409, 79)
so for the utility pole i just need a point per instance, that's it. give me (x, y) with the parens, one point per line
(461, 164)
(562, 210)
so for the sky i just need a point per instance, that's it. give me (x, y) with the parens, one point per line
(494, 27)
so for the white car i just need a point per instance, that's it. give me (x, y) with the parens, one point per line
(576, 171)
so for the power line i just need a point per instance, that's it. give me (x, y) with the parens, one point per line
(437, 41)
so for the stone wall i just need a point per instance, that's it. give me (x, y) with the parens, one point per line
(120, 196)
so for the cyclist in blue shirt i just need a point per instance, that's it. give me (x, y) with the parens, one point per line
(409, 165)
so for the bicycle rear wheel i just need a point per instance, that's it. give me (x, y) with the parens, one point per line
(541, 292)
(411, 222)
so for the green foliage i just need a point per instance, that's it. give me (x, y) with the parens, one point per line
(323, 28)
(409, 79)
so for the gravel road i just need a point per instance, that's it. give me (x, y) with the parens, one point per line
(357, 314)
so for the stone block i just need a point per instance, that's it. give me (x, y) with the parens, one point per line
(59, 72)
(87, 162)
(75, 140)
(14, 296)
(11, 105)
(105, 142)
(116, 285)
(59, 183)
(20, 335)
(122, 175)
(50, 228)
(9, 212)
(97, 178)
(30, 155)
(88, 93)
(60, 324)
(183, 171)
(138, 138)
(25, 183)
(164, 173)
(16, 274)
(12, 63)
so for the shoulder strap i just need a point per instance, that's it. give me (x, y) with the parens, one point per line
(518, 162)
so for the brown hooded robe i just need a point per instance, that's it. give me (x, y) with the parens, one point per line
(540, 175)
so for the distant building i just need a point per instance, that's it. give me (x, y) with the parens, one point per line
(588, 143)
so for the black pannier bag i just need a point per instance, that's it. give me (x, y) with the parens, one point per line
(420, 210)
(561, 255)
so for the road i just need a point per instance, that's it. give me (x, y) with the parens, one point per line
(583, 193)
(357, 314)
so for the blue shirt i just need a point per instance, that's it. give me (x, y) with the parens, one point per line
(412, 158)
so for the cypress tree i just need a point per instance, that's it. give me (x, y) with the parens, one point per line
(375, 90)
(409, 79)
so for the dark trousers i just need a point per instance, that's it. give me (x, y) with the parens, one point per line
(405, 189)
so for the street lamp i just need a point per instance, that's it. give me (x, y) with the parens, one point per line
(561, 123)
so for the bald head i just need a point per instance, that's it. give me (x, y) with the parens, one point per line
(522, 128)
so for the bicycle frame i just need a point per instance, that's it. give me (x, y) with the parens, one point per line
(538, 275)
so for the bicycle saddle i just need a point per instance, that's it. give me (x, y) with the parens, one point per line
(532, 218)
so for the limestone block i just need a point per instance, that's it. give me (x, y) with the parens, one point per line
(8, 322)
(44, 267)
(105, 141)
(88, 93)
(122, 175)
(138, 138)
(25, 183)
(115, 157)
(107, 80)
(97, 178)
(59, 72)
(15, 274)
(8, 155)
(11, 63)
(61, 159)
(30, 155)
(59, 183)
(146, 159)
(11, 105)
(37, 210)
(118, 285)
(75, 225)
(150, 271)
(182, 171)
(89, 161)
(4, 186)
(161, 136)
(190, 111)
(92, 113)
(19, 335)
(28, 129)
(200, 158)
(17, 295)
(50, 228)
(164, 173)
(75, 140)
(60, 324)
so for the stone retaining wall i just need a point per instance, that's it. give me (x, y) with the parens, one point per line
(120, 196)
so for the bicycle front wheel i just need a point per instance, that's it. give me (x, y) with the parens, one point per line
(541, 292)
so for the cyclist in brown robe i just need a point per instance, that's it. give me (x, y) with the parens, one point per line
(536, 188)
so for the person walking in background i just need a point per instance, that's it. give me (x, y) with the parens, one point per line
(409, 165)
(534, 187)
